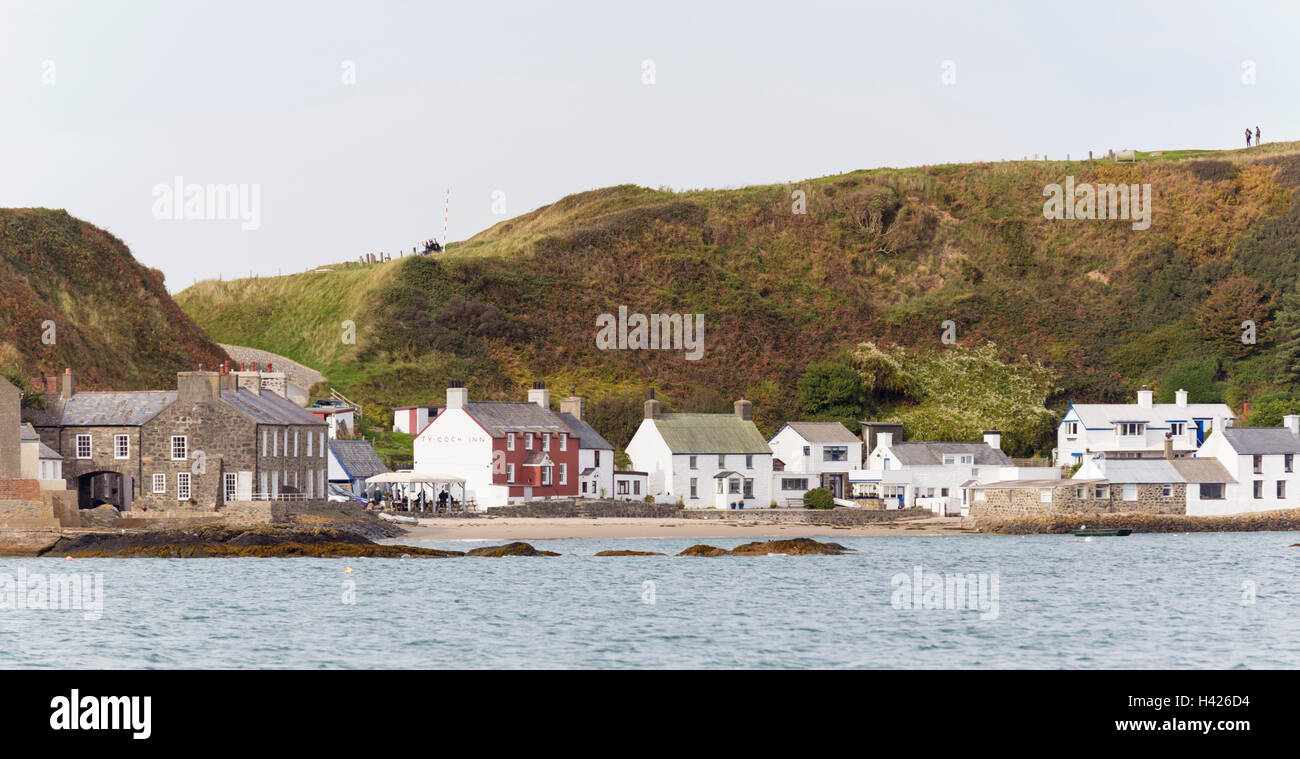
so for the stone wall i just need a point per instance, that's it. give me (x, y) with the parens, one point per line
(586, 507)
(1027, 502)
(21, 505)
(837, 516)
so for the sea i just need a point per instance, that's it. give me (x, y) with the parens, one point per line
(1201, 600)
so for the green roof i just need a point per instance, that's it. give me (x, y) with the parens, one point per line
(710, 433)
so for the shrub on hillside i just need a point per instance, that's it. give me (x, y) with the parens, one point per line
(818, 498)
(1269, 413)
(1220, 316)
(831, 390)
(1198, 378)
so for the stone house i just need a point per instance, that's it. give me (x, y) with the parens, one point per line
(205, 444)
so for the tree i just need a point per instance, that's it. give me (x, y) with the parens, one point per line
(1286, 332)
(831, 389)
(818, 498)
(1269, 413)
(1233, 302)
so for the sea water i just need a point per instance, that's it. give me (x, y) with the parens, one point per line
(1226, 600)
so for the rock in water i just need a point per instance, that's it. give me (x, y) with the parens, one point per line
(703, 550)
(792, 547)
(509, 549)
(628, 553)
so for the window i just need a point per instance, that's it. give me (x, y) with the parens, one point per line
(720, 484)
(1081, 493)
(275, 443)
(1211, 491)
(230, 485)
(1281, 488)
(309, 439)
(835, 453)
(564, 474)
(510, 472)
(722, 460)
(182, 486)
(749, 461)
(564, 442)
(1259, 488)
(943, 492)
(733, 486)
(262, 490)
(121, 446)
(546, 475)
(295, 441)
(1177, 429)
(265, 437)
(695, 488)
(622, 487)
(180, 448)
(807, 450)
(1167, 490)
(749, 487)
(1288, 462)
(980, 495)
(1102, 491)
(546, 441)
(1132, 429)
(596, 460)
(1258, 462)
(510, 441)
(693, 463)
(528, 441)
(1129, 492)
(83, 446)
(794, 483)
(160, 483)
(321, 450)
(636, 487)
(1071, 428)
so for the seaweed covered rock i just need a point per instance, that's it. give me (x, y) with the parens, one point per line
(791, 547)
(628, 553)
(703, 550)
(510, 549)
(224, 540)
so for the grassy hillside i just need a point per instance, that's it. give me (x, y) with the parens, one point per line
(884, 256)
(114, 322)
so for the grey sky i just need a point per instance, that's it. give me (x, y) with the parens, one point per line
(540, 100)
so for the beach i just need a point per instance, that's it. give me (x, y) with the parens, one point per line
(531, 528)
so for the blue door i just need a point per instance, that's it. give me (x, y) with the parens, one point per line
(1200, 432)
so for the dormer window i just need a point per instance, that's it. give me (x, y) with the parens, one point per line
(1071, 428)
(1132, 429)
(1177, 429)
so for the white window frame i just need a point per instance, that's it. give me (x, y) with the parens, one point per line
(510, 472)
(1071, 429)
(231, 486)
(546, 476)
(185, 447)
(546, 441)
(160, 482)
(528, 441)
(184, 486)
(564, 442)
(510, 441)
(564, 474)
(90, 448)
(118, 441)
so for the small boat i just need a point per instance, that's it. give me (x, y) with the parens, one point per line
(1099, 533)
(387, 517)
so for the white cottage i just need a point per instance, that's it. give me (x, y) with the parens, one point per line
(705, 460)
(810, 455)
(1136, 430)
(1259, 470)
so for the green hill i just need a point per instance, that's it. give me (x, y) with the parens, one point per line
(113, 320)
(883, 256)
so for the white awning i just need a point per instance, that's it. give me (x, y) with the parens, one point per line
(416, 477)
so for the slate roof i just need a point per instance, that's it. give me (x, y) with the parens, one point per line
(500, 417)
(111, 409)
(357, 457)
(1014, 484)
(821, 432)
(1140, 471)
(46, 453)
(1195, 471)
(267, 408)
(1104, 415)
(587, 435)
(27, 432)
(1253, 440)
(710, 433)
(931, 453)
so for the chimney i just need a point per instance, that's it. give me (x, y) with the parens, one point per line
(1144, 397)
(1169, 446)
(1180, 398)
(652, 406)
(540, 395)
(573, 405)
(457, 395)
(745, 410)
(67, 384)
(885, 439)
(196, 387)
(993, 438)
(1292, 422)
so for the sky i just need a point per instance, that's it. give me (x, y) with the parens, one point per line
(345, 124)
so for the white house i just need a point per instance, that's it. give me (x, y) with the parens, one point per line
(933, 474)
(595, 454)
(813, 454)
(1136, 430)
(705, 460)
(1259, 466)
(630, 485)
(412, 419)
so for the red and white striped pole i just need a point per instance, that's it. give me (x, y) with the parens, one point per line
(446, 213)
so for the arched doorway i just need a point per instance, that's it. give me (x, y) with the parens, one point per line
(105, 487)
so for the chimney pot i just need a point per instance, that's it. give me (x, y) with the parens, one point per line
(744, 410)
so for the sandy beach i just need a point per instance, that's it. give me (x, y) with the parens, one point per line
(506, 529)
